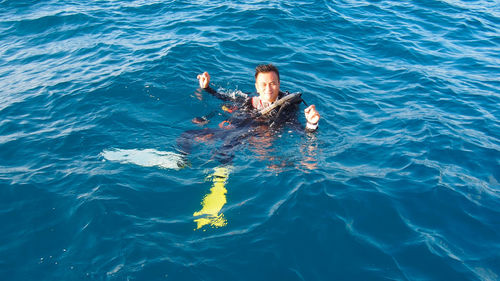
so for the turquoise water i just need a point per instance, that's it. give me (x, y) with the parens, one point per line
(400, 182)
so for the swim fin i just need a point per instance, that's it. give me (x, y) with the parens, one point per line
(147, 158)
(213, 202)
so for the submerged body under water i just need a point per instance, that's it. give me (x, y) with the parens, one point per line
(246, 125)
(400, 182)
(245, 122)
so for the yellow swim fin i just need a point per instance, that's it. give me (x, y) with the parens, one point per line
(213, 202)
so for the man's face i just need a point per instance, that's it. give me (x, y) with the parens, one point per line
(268, 86)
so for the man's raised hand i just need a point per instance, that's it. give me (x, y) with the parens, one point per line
(204, 80)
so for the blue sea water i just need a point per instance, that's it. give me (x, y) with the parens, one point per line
(400, 182)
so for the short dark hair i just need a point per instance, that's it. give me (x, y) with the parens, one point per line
(263, 68)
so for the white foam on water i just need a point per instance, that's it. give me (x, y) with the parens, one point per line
(145, 158)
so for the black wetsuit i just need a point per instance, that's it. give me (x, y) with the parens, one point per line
(243, 124)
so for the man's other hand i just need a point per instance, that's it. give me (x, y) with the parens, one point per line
(312, 115)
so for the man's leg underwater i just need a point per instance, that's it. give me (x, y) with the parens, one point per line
(188, 139)
(214, 201)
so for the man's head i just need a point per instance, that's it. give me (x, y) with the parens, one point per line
(267, 82)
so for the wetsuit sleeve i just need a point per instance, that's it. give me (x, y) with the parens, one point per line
(218, 95)
(311, 128)
(299, 127)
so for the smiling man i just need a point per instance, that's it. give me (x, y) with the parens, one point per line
(267, 84)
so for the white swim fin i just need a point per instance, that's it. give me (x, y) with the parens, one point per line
(146, 158)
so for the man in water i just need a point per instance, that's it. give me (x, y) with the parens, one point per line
(267, 83)
(247, 121)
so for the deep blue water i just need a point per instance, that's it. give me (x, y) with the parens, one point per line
(400, 182)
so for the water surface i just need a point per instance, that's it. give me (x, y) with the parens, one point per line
(400, 182)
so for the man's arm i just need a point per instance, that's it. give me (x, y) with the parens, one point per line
(204, 80)
(291, 118)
